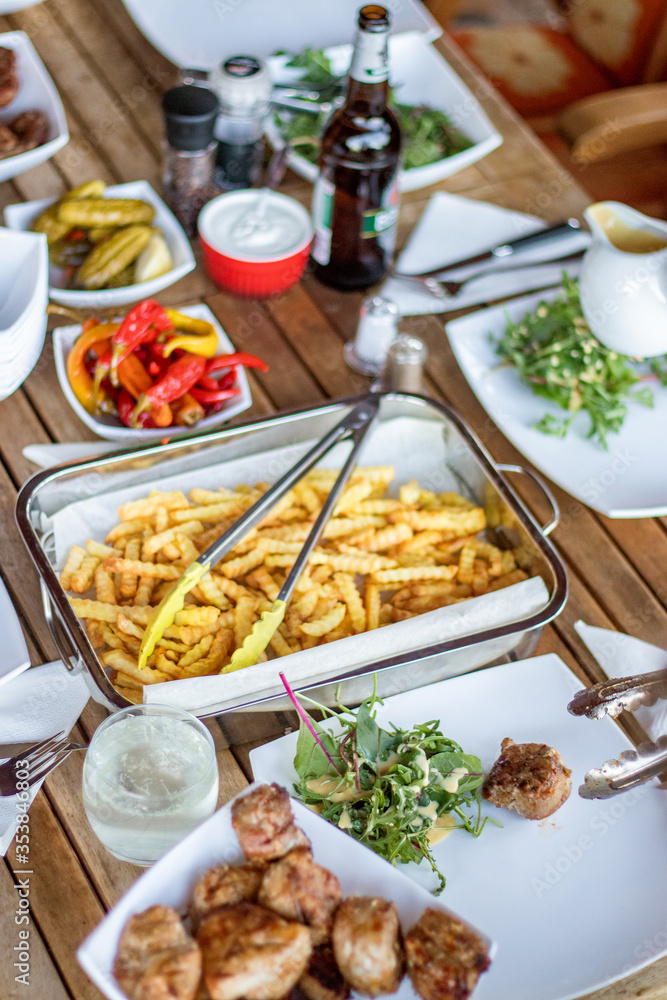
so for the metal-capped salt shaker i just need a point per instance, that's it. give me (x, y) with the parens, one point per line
(378, 328)
(404, 366)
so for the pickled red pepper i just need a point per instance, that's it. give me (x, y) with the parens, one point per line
(142, 325)
(178, 379)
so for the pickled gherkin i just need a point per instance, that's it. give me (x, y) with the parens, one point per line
(109, 258)
(49, 222)
(105, 212)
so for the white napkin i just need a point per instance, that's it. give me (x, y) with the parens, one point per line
(452, 228)
(15, 658)
(40, 702)
(622, 655)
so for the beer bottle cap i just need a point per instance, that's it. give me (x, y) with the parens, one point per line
(189, 115)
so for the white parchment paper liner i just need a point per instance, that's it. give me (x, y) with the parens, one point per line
(417, 449)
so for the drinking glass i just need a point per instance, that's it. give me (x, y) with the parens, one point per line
(150, 776)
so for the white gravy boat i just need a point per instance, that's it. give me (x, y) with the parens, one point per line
(623, 280)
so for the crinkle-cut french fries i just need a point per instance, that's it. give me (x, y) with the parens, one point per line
(380, 560)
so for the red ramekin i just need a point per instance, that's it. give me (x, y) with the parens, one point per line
(260, 273)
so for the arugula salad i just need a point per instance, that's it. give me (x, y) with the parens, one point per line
(555, 353)
(428, 134)
(397, 790)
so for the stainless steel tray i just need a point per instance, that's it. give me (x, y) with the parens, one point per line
(468, 467)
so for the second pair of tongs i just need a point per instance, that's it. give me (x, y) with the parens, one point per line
(353, 427)
(633, 767)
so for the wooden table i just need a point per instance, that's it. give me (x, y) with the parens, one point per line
(110, 80)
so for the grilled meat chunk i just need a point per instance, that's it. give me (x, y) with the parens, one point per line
(225, 885)
(156, 958)
(529, 778)
(299, 889)
(265, 825)
(32, 129)
(444, 957)
(9, 80)
(249, 952)
(323, 980)
(366, 941)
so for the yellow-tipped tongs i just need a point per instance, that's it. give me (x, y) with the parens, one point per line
(353, 427)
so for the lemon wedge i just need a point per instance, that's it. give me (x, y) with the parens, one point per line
(154, 260)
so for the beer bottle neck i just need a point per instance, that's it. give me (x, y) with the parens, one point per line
(367, 86)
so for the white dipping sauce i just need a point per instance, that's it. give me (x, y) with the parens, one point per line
(255, 225)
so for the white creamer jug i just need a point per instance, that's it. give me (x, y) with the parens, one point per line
(623, 280)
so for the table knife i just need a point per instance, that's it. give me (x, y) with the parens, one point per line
(551, 233)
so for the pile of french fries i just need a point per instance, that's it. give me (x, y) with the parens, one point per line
(380, 560)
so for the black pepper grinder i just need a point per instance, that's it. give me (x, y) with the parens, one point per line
(189, 113)
(243, 85)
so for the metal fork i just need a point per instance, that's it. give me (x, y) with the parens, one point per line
(36, 763)
(445, 289)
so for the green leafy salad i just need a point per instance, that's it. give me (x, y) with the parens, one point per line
(428, 134)
(555, 353)
(396, 791)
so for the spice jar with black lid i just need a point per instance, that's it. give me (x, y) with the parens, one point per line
(190, 113)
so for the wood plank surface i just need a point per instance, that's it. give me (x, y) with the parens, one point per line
(110, 79)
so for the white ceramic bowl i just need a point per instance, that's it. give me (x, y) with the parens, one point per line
(419, 75)
(11, 6)
(23, 279)
(36, 93)
(21, 216)
(111, 427)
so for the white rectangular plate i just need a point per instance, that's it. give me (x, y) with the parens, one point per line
(172, 879)
(574, 902)
(627, 480)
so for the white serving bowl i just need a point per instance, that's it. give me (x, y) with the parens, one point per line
(23, 299)
(419, 75)
(23, 280)
(111, 427)
(36, 93)
(11, 6)
(21, 216)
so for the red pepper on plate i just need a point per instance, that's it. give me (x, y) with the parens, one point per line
(209, 396)
(231, 360)
(125, 405)
(142, 324)
(178, 379)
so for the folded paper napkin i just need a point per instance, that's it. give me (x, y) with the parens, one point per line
(622, 655)
(452, 228)
(40, 702)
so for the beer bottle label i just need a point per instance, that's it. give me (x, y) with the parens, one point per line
(380, 223)
(323, 196)
(370, 59)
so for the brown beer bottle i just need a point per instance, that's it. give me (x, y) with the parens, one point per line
(355, 201)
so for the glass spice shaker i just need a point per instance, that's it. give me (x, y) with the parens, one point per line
(243, 85)
(190, 113)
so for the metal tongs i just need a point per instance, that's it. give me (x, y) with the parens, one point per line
(353, 427)
(633, 767)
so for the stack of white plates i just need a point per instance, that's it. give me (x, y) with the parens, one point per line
(24, 291)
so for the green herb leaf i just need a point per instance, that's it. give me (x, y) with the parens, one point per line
(310, 762)
(448, 761)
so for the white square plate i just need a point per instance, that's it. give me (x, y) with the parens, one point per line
(574, 902)
(627, 480)
(172, 879)
(22, 215)
(36, 93)
(419, 75)
(111, 427)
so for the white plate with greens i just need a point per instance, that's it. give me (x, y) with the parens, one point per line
(419, 76)
(627, 479)
(555, 895)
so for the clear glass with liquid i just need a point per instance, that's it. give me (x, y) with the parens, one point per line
(149, 778)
